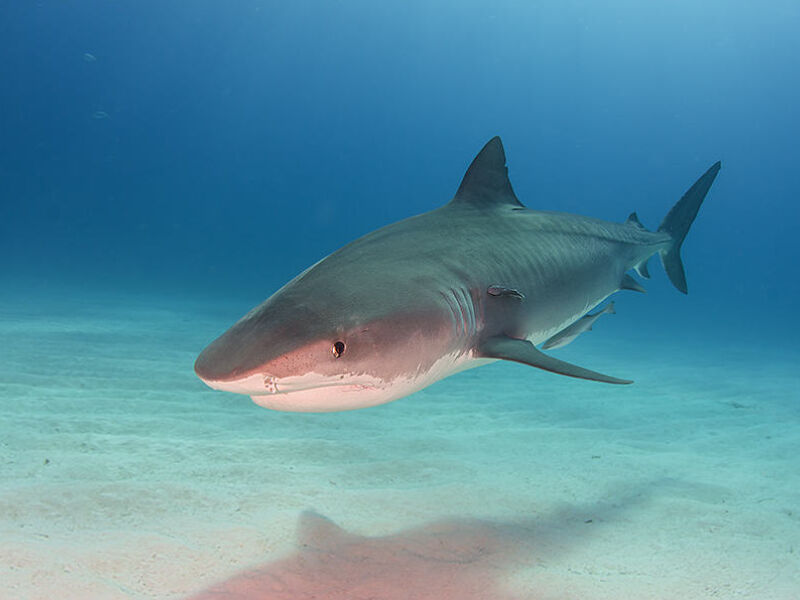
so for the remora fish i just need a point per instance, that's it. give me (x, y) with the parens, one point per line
(569, 333)
(480, 279)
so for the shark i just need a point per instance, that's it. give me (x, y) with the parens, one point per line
(477, 280)
(582, 325)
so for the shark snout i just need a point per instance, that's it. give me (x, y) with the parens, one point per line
(218, 368)
(235, 359)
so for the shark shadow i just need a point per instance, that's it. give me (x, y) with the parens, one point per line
(453, 559)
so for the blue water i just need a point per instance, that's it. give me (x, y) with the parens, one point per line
(241, 143)
(193, 153)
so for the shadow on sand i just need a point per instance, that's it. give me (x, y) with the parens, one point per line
(454, 559)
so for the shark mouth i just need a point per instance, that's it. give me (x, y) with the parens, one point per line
(314, 392)
(311, 392)
(259, 384)
(330, 398)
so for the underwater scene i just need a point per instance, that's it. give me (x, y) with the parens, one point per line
(423, 300)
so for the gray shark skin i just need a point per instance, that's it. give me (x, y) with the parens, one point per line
(480, 279)
(582, 325)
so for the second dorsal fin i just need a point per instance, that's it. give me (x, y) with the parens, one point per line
(633, 219)
(486, 183)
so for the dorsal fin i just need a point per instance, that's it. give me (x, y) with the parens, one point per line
(633, 219)
(486, 182)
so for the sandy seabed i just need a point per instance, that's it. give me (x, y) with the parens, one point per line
(123, 477)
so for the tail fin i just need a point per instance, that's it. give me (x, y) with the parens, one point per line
(677, 223)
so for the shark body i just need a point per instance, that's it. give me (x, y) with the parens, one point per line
(480, 279)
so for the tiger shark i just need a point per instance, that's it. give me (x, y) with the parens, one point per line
(480, 279)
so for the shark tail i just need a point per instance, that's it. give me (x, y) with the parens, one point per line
(677, 223)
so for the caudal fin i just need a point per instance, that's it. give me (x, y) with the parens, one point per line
(677, 223)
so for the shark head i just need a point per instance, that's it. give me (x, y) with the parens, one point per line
(322, 344)
(380, 318)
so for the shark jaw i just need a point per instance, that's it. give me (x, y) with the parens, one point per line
(331, 398)
(313, 392)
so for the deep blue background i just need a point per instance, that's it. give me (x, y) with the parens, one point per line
(245, 140)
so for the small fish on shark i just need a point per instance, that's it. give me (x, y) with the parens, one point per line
(569, 333)
(480, 279)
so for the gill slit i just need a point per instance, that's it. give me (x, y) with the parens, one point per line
(463, 312)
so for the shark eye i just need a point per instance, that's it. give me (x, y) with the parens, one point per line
(337, 349)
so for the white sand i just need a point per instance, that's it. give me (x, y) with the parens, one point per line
(121, 476)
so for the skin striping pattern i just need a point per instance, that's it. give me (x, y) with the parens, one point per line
(479, 279)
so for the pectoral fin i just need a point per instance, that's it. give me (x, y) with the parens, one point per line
(523, 351)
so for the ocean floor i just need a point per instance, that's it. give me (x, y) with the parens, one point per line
(123, 477)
